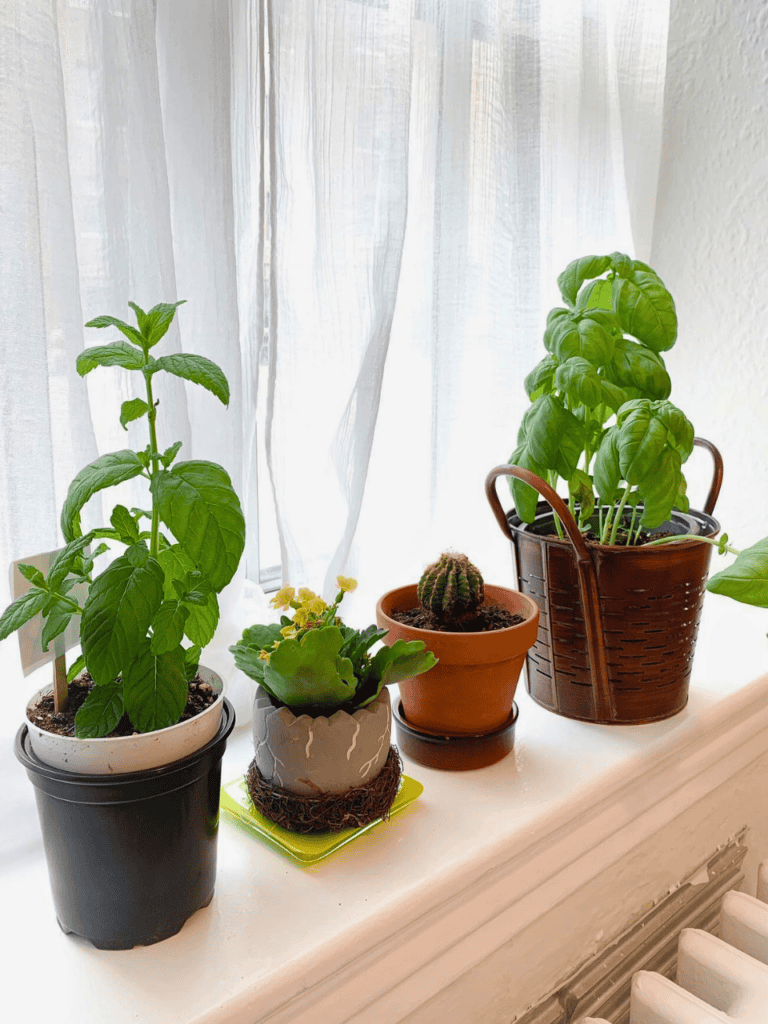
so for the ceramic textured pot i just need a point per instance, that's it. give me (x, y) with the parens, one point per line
(131, 855)
(471, 689)
(119, 754)
(309, 756)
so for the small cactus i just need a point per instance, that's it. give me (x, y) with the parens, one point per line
(451, 589)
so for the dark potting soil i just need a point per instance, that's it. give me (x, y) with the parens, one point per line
(489, 617)
(621, 538)
(44, 715)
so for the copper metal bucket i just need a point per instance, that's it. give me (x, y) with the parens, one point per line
(618, 625)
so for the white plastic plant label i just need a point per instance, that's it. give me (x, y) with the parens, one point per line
(30, 634)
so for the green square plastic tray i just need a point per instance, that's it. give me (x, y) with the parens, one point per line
(236, 800)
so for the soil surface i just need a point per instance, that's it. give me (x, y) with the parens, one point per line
(489, 617)
(593, 540)
(44, 715)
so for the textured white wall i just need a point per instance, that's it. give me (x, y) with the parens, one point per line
(711, 243)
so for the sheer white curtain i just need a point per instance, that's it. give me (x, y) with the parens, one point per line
(434, 164)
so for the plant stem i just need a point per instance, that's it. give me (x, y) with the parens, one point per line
(690, 536)
(632, 526)
(154, 468)
(558, 526)
(617, 518)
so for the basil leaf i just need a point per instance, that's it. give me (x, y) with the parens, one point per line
(747, 579)
(523, 495)
(606, 472)
(646, 310)
(660, 489)
(121, 604)
(159, 319)
(168, 627)
(580, 381)
(197, 503)
(155, 689)
(596, 295)
(110, 321)
(634, 365)
(106, 471)
(540, 380)
(100, 712)
(203, 619)
(577, 272)
(22, 610)
(197, 369)
(553, 436)
(640, 442)
(132, 410)
(583, 334)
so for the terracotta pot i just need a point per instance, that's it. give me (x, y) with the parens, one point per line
(471, 689)
(310, 756)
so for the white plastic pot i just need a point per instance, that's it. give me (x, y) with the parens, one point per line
(122, 754)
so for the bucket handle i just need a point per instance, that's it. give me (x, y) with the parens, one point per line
(603, 694)
(604, 702)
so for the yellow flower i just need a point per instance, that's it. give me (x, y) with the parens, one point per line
(317, 607)
(289, 632)
(301, 617)
(283, 598)
(346, 584)
(264, 656)
(305, 595)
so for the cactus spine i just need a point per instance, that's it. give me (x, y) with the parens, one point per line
(451, 588)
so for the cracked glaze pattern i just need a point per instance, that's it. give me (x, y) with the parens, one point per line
(320, 755)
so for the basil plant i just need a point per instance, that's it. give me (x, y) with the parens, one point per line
(151, 611)
(313, 661)
(600, 417)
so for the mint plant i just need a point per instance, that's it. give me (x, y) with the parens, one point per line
(159, 591)
(314, 662)
(604, 361)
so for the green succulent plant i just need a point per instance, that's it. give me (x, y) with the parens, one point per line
(451, 589)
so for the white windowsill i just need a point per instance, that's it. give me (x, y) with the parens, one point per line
(372, 932)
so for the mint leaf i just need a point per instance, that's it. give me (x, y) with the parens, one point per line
(29, 572)
(22, 610)
(56, 621)
(121, 604)
(170, 454)
(159, 319)
(141, 318)
(106, 471)
(197, 369)
(117, 354)
(132, 410)
(155, 689)
(197, 503)
(168, 627)
(110, 321)
(75, 669)
(100, 712)
(191, 663)
(204, 618)
(68, 560)
(125, 524)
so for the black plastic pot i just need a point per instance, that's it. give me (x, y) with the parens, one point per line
(130, 857)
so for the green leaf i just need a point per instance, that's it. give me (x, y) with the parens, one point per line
(540, 380)
(403, 660)
(170, 454)
(553, 437)
(168, 627)
(203, 619)
(110, 321)
(125, 524)
(155, 689)
(678, 425)
(141, 318)
(159, 319)
(310, 671)
(260, 637)
(69, 559)
(100, 712)
(660, 489)
(106, 471)
(121, 604)
(117, 354)
(197, 369)
(588, 334)
(606, 470)
(580, 381)
(22, 610)
(634, 365)
(248, 661)
(579, 271)
(29, 572)
(191, 663)
(596, 295)
(197, 503)
(75, 668)
(523, 495)
(132, 410)
(56, 621)
(747, 579)
(646, 309)
(580, 488)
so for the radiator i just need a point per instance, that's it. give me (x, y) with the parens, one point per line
(719, 980)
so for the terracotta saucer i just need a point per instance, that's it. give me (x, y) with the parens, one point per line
(453, 753)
